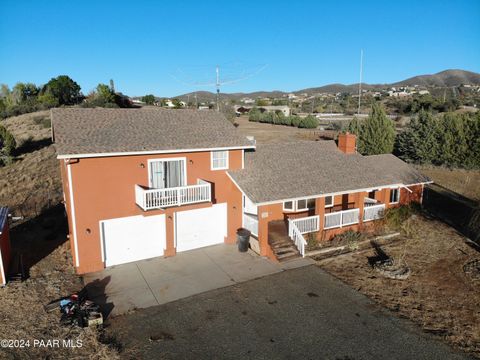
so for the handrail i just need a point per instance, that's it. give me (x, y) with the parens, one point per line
(341, 218)
(298, 238)
(373, 212)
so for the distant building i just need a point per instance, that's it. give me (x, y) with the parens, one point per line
(243, 109)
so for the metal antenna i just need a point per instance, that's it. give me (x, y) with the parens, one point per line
(360, 84)
(232, 73)
(217, 70)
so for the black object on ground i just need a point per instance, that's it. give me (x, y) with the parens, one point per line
(243, 240)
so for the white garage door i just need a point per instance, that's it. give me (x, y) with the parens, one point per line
(201, 227)
(133, 238)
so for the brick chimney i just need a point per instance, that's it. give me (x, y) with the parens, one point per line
(347, 143)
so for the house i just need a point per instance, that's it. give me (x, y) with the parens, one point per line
(5, 249)
(142, 183)
(243, 109)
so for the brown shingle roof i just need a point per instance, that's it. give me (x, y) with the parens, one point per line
(300, 169)
(96, 131)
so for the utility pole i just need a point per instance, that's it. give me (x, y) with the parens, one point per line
(360, 84)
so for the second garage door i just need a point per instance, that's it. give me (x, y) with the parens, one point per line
(201, 227)
(132, 238)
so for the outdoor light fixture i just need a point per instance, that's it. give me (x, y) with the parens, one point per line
(190, 161)
(142, 165)
(88, 231)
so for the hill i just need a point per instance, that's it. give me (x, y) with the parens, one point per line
(447, 78)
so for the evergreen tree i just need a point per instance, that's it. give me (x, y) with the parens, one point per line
(377, 133)
(452, 139)
(419, 141)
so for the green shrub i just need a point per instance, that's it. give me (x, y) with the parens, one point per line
(295, 120)
(395, 217)
(309, 122)
(349, 238)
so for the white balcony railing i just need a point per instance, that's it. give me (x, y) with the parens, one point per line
(250, 223)
(373, 212)
(341, 218)
(149, 199)
(305, 225)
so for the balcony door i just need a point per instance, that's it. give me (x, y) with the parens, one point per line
(167, 173)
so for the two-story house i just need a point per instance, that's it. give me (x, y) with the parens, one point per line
(142, 183)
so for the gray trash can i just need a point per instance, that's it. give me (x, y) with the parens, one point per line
(243, 240)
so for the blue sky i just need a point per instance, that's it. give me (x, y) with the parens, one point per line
(147, 46)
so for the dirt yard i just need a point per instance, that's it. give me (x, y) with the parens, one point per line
(268, 133)
(31, 187)
(438, 295)
(463, 182)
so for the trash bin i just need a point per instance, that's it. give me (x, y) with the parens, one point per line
(243, 239)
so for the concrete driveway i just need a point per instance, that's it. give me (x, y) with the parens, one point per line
(156, 281)
(302, 313)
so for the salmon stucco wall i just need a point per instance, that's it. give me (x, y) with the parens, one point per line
(104, 188)
(5, 252)
(267, 213)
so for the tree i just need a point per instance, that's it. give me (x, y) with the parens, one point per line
(377, 134)
(419, 142)
(105, 94)
(7, 145)
(64, 89)
(148, 99)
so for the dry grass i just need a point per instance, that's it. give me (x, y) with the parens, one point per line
(30, 186)
(464, 182)
(438, 295)
(268, 133)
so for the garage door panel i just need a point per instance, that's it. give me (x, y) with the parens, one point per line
(201, 227)
(133, 238)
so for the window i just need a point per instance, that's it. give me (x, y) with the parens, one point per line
(288, 205)
(219, 160)
(394, 196)
(328, 201)
(302, 204)
(299, 205)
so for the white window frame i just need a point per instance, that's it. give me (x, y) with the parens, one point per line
(295, 207)
(301, 209)
(226, 160)
(185, 177)
(398, 195)
(331, 205)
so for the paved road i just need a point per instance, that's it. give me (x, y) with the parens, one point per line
(297, 314)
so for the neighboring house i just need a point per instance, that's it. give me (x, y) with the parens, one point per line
(5, 249)
(142, 183)
(243, 109)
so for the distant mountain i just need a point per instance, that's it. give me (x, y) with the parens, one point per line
(447, 78)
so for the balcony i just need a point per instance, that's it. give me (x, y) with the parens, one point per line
(149, 199)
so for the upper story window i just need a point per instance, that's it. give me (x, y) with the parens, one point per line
(328, 201)
(219, 160)
(394, 196)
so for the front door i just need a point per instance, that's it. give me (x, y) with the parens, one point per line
(167, 173)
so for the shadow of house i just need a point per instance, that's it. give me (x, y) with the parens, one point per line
(95, 291)
(454, 209)
(36, 238)
(32, 145)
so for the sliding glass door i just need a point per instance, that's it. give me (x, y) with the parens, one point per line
(167, 173)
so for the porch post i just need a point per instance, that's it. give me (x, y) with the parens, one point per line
(320, 211)
(359, 203)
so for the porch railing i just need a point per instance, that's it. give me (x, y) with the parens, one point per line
(305, 225)
(297, 238)
(250, 223)
(341, 218)
(149, 199)
(373, 212)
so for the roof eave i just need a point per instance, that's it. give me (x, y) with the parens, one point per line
(150, 152)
